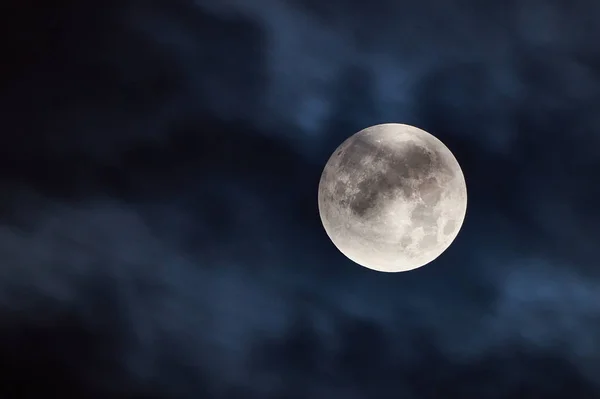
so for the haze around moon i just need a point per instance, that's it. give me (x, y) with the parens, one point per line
(392, 197)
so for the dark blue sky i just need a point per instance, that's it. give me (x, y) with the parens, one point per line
(159, 232)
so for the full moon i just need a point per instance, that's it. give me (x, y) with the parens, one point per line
(392, 197)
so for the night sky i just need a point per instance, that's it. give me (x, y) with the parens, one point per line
(159, 230)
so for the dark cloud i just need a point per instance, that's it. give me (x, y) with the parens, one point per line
(159, 233)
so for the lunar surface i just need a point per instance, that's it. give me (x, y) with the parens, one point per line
(392, 198)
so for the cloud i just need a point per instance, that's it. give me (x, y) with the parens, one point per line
(159, 202)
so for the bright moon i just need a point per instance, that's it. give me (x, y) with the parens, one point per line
(392, 197)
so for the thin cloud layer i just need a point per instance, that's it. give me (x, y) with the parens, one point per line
(159, 233)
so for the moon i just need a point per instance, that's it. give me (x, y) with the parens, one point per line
(392, 197)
